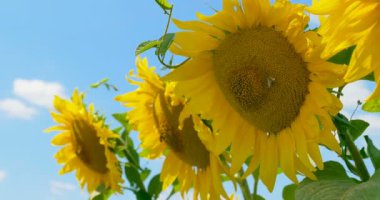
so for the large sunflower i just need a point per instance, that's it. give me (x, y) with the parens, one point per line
(352, 22)
(155, 115)
(86, 147)
(259, 77)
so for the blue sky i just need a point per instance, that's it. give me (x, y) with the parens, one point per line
(51, 47)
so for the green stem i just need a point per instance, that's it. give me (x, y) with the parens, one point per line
(171, 66)
(357, 106)
(339, 93)
(168, 22)
(243, 184)
(162, 60)
(171, 194)
(256, 182)
(359, 163)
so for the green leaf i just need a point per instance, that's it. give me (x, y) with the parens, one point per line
(134, 177)
(146, 46)
(120, 150)
(142, 195)
(208, 123)
(225, 178)
(122, 119)
(343, 57)
(257, 197)
(107, 86)
(341, 122)
(104, 194)
(372, 105)
(289, 192)
(333, 184)
(145, 152)
(104, 82)
(167, 40)
(145, 173)
(155, 186)
(101, 82)
(164, 4)
(176, 186)
(373, 152)
(367, 190)
(129, 142)
(349, 165)
(133, 156)
(117, 130)
(369, 77)
(363, 153)
(357, 128)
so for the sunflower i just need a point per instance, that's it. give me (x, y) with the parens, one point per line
(155, 115)
(258, 76)
(86, 147)
(350, 22)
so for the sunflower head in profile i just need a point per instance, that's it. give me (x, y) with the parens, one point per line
(258, 76)
(155, 115)
(84, 138)
(350, 22)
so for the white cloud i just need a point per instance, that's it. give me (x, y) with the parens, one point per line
(59, 188)
(38, 92)
(17, 109)
(3, 174)
(373, 120)
(354, 92)
(314, 21)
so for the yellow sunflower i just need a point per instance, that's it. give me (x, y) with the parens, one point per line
(259, 77)
(155, 115)
(352, 22)
(86, 146)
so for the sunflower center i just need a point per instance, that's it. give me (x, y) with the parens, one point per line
(262, 76)
(185, 143)
(87, 146)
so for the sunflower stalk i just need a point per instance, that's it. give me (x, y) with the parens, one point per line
(358, 159)
(350, 145)
(256, 182)
(244, 187)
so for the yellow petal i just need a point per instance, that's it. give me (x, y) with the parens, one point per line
(286, 150)
(195, 41)
(61, 139)
(256, 158)
(202, 63)
(199, 26)
(269, 162)
(170, 170)
(241, 148)
(300, 142)
(301, 168)
(327, 138)
(315, 154)
(221, 20)
(55, 128)
(323, 7)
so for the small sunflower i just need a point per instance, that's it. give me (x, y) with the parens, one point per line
(259, 77)
(155, 115)
(86, 146)
(352, 22)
